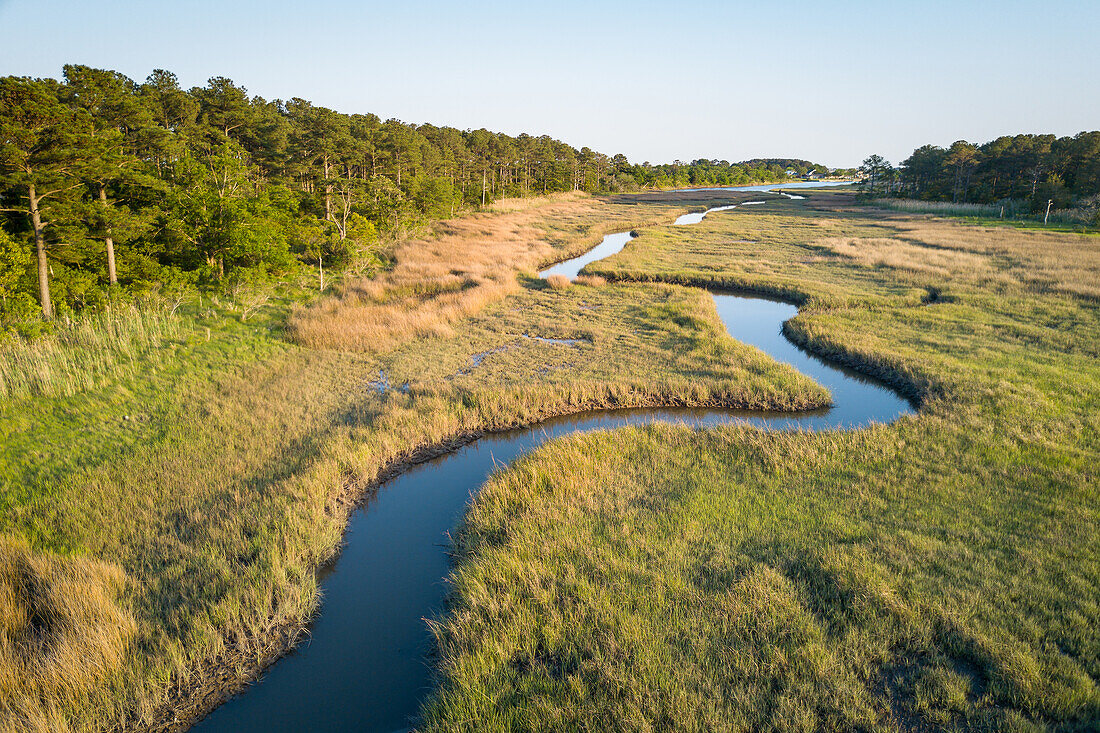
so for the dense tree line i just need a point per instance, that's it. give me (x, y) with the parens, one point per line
(717, 172)
(108, 183)
(1031, 171)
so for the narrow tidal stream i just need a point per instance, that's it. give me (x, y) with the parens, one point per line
(365, 666)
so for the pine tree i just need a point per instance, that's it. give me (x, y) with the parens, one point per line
(43, 147)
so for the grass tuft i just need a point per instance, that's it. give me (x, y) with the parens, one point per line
(593, 281)
(63, 634)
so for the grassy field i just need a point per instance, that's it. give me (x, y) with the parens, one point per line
(939, 573)
(1012, 214)
(163, 514)
(469, 263)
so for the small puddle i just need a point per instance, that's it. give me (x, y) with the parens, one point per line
(562, 342)
(476, 360)
(382, 385)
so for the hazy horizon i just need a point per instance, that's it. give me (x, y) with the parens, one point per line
(711, 80)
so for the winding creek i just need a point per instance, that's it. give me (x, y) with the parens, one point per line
(365, 666)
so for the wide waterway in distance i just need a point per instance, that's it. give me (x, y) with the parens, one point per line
(365, 666)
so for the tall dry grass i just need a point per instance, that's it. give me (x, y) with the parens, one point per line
(1046, 261)
(942, 208)
(1057, 262)
(593, 281)
(468, 263)
(83, 352)
(62, 632)
(902, 255)
(1084, 215)
(437, 281)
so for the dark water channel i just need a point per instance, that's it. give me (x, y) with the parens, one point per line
(365, 666)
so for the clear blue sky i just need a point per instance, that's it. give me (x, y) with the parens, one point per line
(828, 81)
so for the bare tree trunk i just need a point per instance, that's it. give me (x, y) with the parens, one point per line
(40, 247)
(112, 274)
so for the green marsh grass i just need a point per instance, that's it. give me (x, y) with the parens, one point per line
(197, 494)
(940, 573)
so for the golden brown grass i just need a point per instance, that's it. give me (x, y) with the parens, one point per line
(468, 263)
(62, 633)
(593, 281)
(903, 255)
(1046, 261)
(998, 256)
(558, 282)
(1038, 260)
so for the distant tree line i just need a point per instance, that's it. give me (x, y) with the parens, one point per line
(1030, 172)
(107, 184)
(717, 172)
